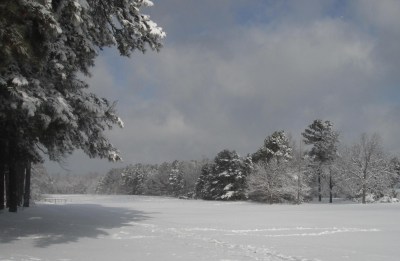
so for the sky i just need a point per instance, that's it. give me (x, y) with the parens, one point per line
(232, 72)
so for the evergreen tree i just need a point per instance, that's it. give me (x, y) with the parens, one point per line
(275, 146)
(272, 179)
(176, 182)
(158, 182)
(203, 183)
(395, 178)
(111, 183)
(324, 141)
(225, 179)
(44, 47)
(134, 178)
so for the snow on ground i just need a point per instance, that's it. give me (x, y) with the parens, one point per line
(155, 228)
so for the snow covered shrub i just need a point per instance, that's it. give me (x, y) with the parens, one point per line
(387, 199)
(370, 198)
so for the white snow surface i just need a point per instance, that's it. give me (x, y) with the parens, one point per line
(157, 228)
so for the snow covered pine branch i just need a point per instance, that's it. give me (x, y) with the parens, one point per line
(44, 46)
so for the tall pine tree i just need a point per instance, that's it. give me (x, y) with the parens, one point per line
(324, 149)
(44, 46)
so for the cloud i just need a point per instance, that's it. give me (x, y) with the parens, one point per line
(380, 19)
(228, 79)
(268, 78)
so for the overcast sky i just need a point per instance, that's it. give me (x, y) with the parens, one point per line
(232, 72)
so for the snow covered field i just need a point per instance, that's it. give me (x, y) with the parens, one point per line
(150, 228)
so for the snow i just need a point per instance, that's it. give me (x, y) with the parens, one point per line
(29, 103)
(120, 122)
(148, 3)
(159, 228)
(228, 187)
(155, 29)
(20, 81)
(387, 199)
(228, 195)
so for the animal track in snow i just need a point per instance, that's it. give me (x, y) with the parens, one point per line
(268, 232)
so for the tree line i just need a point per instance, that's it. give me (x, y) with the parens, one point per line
(177, 178)
(280, 171)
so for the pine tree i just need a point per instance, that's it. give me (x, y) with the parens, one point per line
(202, 187)
(134, 178)
(44, 47)
(176, 182)
(111, 183)
(272, 179)
(275, 146)
(324, 140)
(225, 179)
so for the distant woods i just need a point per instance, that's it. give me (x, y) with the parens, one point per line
(281, 170)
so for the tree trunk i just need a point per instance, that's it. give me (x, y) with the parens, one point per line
(3, 155)
(20, 181)
(364, 186)
(330, 187)
(13, 177)
(7, 186)
(298, 188)
(27, 192)
(364, 194)
(319, 185)
(2, 177)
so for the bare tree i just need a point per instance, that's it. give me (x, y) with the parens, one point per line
(273, 183)
(365, 168)
(299, 170)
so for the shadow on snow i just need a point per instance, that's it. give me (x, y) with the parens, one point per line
(57, 224)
